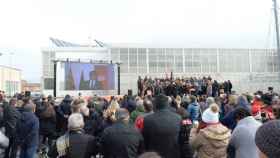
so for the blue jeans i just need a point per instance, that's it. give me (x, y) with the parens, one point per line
(28, 152)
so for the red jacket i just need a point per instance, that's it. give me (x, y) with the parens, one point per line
(256, 107)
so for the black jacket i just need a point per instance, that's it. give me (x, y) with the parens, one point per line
(161, 133)
(121, 141)
(81, 146)
(10, 117)
(47, 121)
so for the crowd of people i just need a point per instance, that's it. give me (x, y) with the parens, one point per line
(180, 118)
(180, 86)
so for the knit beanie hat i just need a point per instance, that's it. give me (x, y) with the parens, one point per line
(211, 115)
(268, 139)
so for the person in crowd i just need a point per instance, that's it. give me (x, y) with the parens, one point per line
(211, 138)
(77, 105)
(96, 116)
(64, 111)
(148, 110)
(89, 122)
(209, 88)
(110, 114)
(276, 109)
(161, 130)
(230, 87)
(215, 88)
(208, 102)
(256, 106)
(234, 103)
(184, 135)
(149, 155)
(28, 132)
(194, 109)
(138, 111)
(75, 143)
(243, 102)
(268, 139)
(13, 102)
(121, 140)
(9, 117)
(242, 142)
(47, 118)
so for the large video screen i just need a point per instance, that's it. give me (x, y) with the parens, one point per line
(88, 76)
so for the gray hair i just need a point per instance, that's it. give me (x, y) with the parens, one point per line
(75, 121)
(139, 102)
(210, 100)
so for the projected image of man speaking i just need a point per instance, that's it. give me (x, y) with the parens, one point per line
(87, 76)
(92, 83)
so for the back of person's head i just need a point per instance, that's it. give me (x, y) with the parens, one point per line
(26, 100)
(211, 114)
(110, 112)
(193, 99)
(241, 113)
(161, 101)
(149, 155)
(148, 105)
(77, 104)
(268, 139)
(122, 115)
(210, 100)
(75, 122)
(30, 107)
(232, 100)
(49, 110)
(242, 101)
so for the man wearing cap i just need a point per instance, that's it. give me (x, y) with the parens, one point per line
(121, 139)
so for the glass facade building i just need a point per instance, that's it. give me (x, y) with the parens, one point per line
(249, 69)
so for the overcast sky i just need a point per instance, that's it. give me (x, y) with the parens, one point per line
(26, 25)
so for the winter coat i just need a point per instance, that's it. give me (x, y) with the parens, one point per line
(121, 141)
(63, 109)
(194, 111)
(161, 133)
(81, 146)
(139, 122)
(256, 107)
(243, 138)
(47, 118)
(211, 142)
(28, 130)
(9, 119)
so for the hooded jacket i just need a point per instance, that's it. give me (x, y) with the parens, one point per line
(211, 142)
